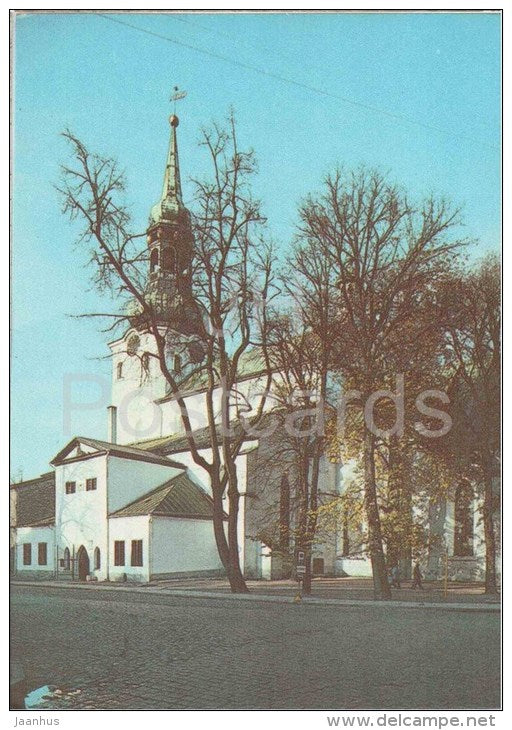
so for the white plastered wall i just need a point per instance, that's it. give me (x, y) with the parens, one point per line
(128, 529)
(35, 535)
(183, 546)
(81, 518)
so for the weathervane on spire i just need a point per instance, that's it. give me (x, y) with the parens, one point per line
(176, 96)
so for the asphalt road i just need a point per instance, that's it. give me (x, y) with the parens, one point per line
(133, 651)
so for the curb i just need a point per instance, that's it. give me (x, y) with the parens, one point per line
(347, 603)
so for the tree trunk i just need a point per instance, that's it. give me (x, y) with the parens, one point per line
(490, 538)
(380, 579)
(218, 529)
(228, 558)
(236, 579)
(311, 519)
(301, 536)
(394, 491)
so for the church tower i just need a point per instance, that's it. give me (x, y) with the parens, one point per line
(171, 244)
(137, 380)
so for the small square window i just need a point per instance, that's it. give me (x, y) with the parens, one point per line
(70, 487)
(90, 484)
(42, 553)
(27, 553)
(118, 552)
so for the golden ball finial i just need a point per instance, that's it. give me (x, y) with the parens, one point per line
(173, 120)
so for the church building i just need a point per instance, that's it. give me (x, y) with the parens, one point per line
(137, 507)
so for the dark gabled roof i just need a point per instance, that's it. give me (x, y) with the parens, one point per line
(175, 443)
(48, 475)
(177, 497)
(105, 447)
(178, 442)
(46, 522)
(35, 501)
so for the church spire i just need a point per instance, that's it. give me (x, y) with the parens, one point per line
(172, 180)
(171, 203)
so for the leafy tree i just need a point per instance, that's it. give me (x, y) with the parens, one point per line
(471, 308)
(387, 256)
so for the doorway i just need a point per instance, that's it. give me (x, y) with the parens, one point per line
(83, 563)
(318, 566)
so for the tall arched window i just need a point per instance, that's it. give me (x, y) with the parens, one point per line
(177, 364)
(169, 259)
(67, 559)
(119, 370)
(463, 518)
(97, 559)
(153, 260)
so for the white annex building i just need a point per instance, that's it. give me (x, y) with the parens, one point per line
(137, 507)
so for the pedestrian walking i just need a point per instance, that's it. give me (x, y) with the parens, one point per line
(395, 576)
(417, 577)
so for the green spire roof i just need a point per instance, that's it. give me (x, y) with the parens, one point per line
(171, 202)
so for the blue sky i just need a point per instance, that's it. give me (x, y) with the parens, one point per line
(110, 84)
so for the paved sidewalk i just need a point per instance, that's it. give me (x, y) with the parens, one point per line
(334, 591)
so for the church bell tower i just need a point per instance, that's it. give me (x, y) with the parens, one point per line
(169, 233)
(170, 243)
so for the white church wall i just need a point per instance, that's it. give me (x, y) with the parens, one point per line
(248, 550)
(127, 529)
(135, 389)
(129, 479)
(196, 471)
(196, 407)
(81, 518)
(140, 416)
(183, 546)
(34, 536)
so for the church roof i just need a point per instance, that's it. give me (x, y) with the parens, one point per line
(35, 501)
(177, 497)
(178, 442)
(175, 443)
(105, 447)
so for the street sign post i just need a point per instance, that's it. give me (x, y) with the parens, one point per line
(300, 571)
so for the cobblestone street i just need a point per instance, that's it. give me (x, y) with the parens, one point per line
(128, 651)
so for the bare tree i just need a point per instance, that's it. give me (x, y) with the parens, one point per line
(219, 297)
(387, 255)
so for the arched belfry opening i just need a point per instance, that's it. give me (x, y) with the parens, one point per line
(153, 260)
(169, 259)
